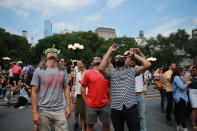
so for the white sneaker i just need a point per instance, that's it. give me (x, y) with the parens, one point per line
(21, 107)
(179, 128)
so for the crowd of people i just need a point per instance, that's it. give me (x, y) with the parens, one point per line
(16, 82)
(178, 87)
(113, 87)
(106, 90)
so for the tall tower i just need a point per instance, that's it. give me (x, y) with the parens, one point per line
(47, 28)
(24, 33)
(32, 40)
(141, 34)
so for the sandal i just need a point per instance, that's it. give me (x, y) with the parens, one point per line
(194, 126)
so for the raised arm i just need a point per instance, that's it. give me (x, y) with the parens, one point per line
(104, 61)
(145, 63)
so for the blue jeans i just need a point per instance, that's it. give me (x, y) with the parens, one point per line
(142, 111)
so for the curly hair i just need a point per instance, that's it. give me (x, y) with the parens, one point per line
(43, 66)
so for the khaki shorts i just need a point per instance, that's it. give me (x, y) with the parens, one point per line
(80, 106)
(57, 118)
(103, 113)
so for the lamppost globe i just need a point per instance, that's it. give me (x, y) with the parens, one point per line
(70, 46)
(76, 45)
(74, 48)
(151, 59)
(81, 47)
(6, 58)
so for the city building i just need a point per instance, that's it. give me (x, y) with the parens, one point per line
(141, 40)
(65, 31)
(186, 58)
(32, 40)
(194, 33)
(24, 33)
(106, 33)
(47, 28)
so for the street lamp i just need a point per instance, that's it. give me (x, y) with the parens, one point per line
(5, 64)
(6, 58)
(152, 59)
(75, 47)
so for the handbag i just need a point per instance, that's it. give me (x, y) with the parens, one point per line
(158, 84)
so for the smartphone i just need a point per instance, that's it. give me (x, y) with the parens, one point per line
(120, 45)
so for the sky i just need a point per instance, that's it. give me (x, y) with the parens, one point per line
(127, 17)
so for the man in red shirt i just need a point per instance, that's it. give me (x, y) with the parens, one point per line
(97, 98)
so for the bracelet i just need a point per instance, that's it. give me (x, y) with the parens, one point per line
(68, 106)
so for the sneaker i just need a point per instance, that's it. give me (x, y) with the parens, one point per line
(179, 128)
(21, 107)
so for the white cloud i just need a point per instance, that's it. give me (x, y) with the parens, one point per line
(165, 18)
(21, 13)
(93, 17)
(195, 20)
(167, 27)
(59, 26)
(114, 3)
(160, 7)
(46, 6)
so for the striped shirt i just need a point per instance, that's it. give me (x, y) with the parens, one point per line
(122, 84)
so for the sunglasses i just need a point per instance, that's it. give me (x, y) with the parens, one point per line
(120, 56)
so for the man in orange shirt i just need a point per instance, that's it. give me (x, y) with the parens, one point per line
(97, 99)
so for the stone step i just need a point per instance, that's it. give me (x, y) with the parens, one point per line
(152, 92)
(152, 96)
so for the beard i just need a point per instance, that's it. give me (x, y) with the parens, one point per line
(96, 63)
(120, 63)
(52, 58)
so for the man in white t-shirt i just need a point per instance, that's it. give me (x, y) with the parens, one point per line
(140, 94)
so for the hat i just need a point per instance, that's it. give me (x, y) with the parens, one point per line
(53, 49)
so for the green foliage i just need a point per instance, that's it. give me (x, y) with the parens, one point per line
(165, 48)
(129, 42)
(90, 40)
(14, 46)
(161, 47)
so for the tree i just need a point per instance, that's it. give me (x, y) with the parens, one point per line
(90, 40)
(129, 43)
(14, 46)
(191, 48)
(165, 48)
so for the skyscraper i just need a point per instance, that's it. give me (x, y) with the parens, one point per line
(24, 33)
(47, 28)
